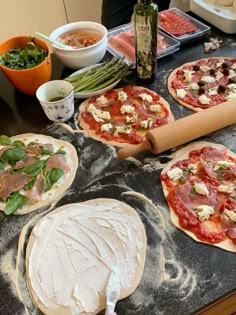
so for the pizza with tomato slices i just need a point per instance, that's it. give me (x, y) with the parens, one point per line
(199, 185)
(204, 83)
(35, 170)
(123, 116)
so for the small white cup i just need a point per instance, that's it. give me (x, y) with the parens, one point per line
(57, 100)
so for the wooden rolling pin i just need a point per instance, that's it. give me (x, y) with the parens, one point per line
(184, 130)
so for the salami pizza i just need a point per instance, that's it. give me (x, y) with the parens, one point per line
(123, 116)
(200, 187)
(35, 170)
(204, 83)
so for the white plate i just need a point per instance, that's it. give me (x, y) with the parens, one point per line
(90, 94)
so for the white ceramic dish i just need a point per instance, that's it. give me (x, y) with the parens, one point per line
(90, 94)
(80, 57)
(202, 29)
(221, 17)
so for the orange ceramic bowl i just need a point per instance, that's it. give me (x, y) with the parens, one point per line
(27, 80)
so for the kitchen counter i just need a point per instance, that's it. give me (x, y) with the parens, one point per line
(181, 276)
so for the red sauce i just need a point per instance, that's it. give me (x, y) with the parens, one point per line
(80, 38)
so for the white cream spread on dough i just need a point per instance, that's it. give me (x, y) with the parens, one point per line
(75, 250)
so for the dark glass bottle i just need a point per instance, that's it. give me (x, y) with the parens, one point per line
(145, 22)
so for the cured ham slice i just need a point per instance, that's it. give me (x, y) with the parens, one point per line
(26, 161)
(175, 24)
(13, 182)
(57, 161)
(124, 43)
(37, 189)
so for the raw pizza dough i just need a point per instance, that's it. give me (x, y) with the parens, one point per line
(92, 133)
(64, 182)
(72, 251)
(180, 155)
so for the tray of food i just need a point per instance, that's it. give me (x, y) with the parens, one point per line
(121, 43)
(180, 25)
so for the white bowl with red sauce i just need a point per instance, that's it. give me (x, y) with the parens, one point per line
(88, 42)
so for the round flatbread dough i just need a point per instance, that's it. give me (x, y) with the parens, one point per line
(181, 155)
(69, 162)
(117, 119)
(73, 250)
(185, 80)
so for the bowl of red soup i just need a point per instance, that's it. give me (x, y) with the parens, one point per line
(86, 43)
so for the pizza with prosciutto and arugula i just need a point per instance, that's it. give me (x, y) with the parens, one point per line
(199, 185)
(123, 116)
(204, 83)
(35, 170)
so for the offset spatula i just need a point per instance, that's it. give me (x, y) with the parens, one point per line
(185, 129)
(113, 290)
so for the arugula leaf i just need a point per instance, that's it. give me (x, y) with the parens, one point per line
(33, 169)
(2, 166)
(28, 57)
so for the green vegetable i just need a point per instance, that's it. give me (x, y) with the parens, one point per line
(44, 151)
(14, 201)
(33, 169)
(52, 177)
(28, 57)
(18, 143)
(5, 140)
(100, 77)
(13, 154)
(30, 185)
(2, 166)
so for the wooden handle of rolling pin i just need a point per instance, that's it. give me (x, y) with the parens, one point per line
(185, 129)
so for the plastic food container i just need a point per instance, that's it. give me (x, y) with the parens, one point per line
(167, 45)
(202, 29)
(221, 17)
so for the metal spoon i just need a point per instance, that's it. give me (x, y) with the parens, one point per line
(53, 41)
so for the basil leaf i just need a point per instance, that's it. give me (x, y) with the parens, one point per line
(33, 169)
(51, 177)
(2, 166)
(60, 151)
(5, 140)
(14, 154)
(14, 202)
(45, 151)
(29, 185)
(18, 143)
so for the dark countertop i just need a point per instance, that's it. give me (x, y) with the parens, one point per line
(193, 275)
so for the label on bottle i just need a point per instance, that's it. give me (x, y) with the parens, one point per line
(144, 37)
(144, 51)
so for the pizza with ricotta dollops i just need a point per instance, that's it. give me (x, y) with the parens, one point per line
(204, 83)
(35, 170)
(74, 250)
(199, 185)
(123, 116)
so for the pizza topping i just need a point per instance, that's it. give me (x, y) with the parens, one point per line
(26, 161)
(201, 90)
(193, 86)
(98, 114)
(13, 182)
(131, 119)
(208, 79)
(219, 63)
(181, 93)
(102, 100)
(222, 88)
(122, 96)
(57, 161)
(201, 189)
(213, 91)
(204, 212)
(226, 188)
(203, 99)
(196, 67)
(188, 74)
(146, 97)
(106, 127)
(127, 109)
(155, 108)
(122, 129)
(223, 165)
(230, 214)
(147, 123)
(175, 173)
